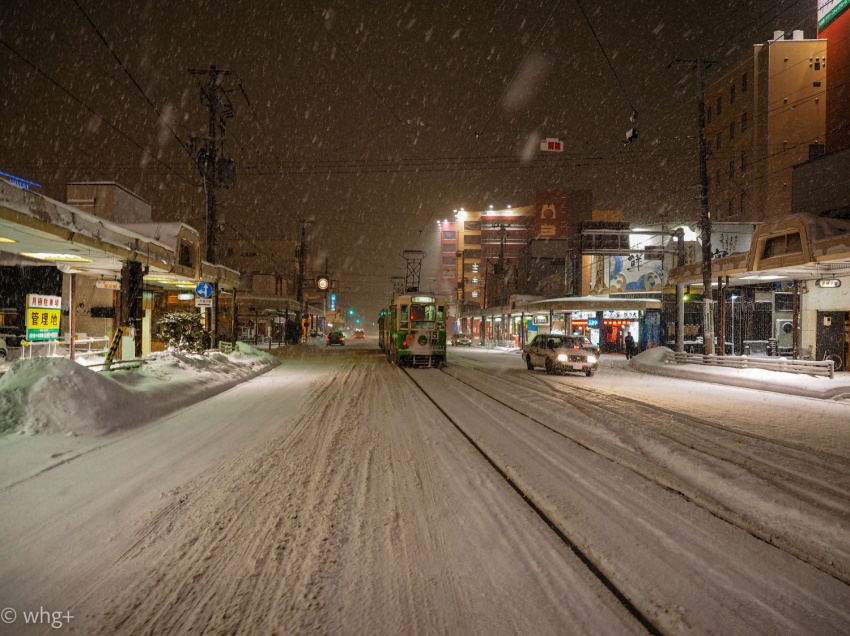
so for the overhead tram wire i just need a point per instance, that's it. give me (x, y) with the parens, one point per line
(518, 69)
(91, 110)
(457, 168)
(714, 53)
(256, 119)
(607, 59)
(133, 79)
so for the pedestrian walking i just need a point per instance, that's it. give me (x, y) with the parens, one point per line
(630, 344)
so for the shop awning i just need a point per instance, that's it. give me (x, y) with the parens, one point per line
(587, 303)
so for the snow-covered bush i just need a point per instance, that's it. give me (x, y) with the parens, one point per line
(183, 331)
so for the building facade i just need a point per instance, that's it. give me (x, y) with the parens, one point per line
(763, 116)
(834, 27)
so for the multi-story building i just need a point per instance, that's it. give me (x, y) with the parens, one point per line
(488, 246)
(447, 276)
(766, 114)
(834, 27)
(481, 250)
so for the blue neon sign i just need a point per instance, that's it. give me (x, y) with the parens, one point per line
(19, 181)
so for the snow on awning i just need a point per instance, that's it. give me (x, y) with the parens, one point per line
(589, 303)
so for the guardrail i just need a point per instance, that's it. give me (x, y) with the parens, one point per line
(84, 345)
(807, 367)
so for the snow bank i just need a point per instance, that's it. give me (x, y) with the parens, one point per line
(56, 395)
(838, 388)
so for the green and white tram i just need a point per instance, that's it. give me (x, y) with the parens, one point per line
(412, 330)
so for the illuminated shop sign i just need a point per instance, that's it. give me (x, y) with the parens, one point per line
(829, 283)
(19, 181)
(829, 10)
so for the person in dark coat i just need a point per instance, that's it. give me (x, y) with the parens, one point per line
(630, 346)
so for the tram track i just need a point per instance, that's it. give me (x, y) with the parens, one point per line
(586, 559)
(803, 483)
(632, 525)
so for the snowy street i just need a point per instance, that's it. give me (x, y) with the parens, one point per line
(336, 493)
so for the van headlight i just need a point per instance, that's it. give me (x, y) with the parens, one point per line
(591, 359)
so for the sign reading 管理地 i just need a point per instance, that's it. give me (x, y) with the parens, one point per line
(44, 314)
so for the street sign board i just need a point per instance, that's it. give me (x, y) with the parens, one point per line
(204, 290)
(203, 302)
(551, 144)
(44, 314)
(108, 284)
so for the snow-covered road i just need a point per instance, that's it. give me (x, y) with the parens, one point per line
(332, 495)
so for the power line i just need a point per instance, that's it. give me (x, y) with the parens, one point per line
(132, 79)
(607, 59)
(521, 64)
(89, 108)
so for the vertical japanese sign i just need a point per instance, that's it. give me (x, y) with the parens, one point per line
(43, 317)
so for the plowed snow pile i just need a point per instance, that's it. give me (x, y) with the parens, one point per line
(56, 395)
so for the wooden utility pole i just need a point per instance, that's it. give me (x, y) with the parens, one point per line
(217, 170)
(705, 214)
(705, 218)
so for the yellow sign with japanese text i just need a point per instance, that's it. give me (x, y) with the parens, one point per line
(44, 316)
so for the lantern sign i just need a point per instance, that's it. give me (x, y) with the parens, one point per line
(44, 314)
(550, 144)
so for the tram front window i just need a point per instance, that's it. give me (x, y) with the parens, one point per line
(422, 315)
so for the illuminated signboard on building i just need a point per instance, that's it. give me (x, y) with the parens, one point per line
(829, 283)
(43, 317)
(828, 10)
(19, 181)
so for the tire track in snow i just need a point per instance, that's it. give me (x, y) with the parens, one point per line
(799, 480)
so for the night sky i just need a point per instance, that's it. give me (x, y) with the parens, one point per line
(372, 118)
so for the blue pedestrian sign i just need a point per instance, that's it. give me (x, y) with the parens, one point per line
(204, 290)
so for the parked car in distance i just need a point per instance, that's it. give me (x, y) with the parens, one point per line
(558, 354)
(461, 340)
(335, 338)
(359, 334)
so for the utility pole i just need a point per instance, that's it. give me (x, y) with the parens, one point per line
(302, 259)
(705, 218)
(217, 169)
(462, 287)
(705, 213)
